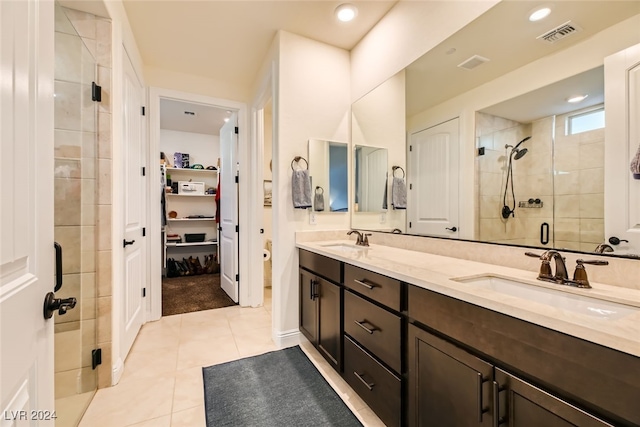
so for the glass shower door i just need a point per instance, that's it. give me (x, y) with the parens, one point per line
(75, 123)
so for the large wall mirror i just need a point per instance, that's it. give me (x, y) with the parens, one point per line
(531, 165)
(328, 168)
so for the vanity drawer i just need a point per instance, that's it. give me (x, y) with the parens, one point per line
(373, 327)
(320, 265)
(376, 385)
(382, 289)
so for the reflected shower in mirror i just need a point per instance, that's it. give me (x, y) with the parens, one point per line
(371, 178)
(555, 195)
(328, 167)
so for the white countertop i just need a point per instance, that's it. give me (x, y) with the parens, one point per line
(434, 272)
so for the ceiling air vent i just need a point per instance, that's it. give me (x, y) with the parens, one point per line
(559, 32)
(473, 62)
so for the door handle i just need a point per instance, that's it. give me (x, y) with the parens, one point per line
(58, 248)
(51, 304)
(454, 228)
(497, 419)
(126, 242)
(481, 408)
(616, 241)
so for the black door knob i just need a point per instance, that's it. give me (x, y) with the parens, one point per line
(615, 241)
(51, 304)
(126, 242)
(454, 229)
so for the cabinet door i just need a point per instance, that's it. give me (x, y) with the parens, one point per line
(521, 404)
(329, 338)
(308, 306)
(448, 387)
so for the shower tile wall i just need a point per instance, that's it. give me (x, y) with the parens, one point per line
(493, 133)
(578, 187)
(566, 172)
(78, 217)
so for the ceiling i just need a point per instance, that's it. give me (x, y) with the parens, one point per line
(506, 37)
(227, 40)
(176, 115)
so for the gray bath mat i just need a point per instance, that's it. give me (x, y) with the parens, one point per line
(281, 388)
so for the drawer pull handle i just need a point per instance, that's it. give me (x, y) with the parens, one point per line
(363, 283)
(361, 324)
(368, 385)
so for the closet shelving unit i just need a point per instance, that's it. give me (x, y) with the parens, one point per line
(188, 207)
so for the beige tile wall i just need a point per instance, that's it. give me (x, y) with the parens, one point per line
(579, 185)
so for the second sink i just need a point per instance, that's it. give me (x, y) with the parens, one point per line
(555, 298)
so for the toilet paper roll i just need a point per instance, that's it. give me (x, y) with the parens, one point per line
(266, 255)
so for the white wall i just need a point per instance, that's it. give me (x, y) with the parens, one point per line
(406, 32)
(311, 100)
(584, 56)
(202, 149)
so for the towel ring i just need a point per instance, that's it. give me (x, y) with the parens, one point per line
(319, 188)
(297, 159)
(394, 171)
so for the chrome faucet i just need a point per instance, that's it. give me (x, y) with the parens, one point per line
(361, 240)
(602, 248)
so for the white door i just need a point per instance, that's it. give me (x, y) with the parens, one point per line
(432, 204)
(26, 212)
(134, 205)
(374, 180)
(622, 139)
(229, 208)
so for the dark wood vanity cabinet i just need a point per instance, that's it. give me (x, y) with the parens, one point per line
(421, 358)
(521, 404)
(372, 341)
(320, 305)
(449, 387)
(540, 377)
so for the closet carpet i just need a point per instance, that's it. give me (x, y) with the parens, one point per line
(193, 293)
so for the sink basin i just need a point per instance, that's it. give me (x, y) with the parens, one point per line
(345, 247)
(556, 298)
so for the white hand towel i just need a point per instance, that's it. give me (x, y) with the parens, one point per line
(399, 193)
(301, 189)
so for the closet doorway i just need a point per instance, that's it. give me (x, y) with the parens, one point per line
(194, 142)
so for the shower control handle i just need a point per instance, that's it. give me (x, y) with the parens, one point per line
(453, 229)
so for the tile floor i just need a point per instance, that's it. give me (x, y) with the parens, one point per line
(162, 382)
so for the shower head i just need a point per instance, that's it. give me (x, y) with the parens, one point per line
(519, 153)
(518, 144)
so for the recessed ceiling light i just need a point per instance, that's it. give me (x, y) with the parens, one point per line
(576, 99)
(226, 119)
(539, 14)
(346, 12)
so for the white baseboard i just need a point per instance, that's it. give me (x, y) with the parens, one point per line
(117, 371)
(284, 339)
